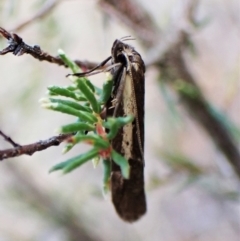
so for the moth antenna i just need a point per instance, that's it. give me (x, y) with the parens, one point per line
(122, 38)
(126, 38)
(91, 70)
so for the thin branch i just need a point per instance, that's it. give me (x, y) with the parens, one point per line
(8, 139)
(18, 47)
(34, 147)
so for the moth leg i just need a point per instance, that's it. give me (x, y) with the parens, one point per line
(117, 100)
(85, 74)
(91, 70)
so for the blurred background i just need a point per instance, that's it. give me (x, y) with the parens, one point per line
(192, 140)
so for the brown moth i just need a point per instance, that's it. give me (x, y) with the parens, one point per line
(127, 98)
(128, 95)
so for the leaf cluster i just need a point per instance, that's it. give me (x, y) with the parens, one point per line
(85, 101)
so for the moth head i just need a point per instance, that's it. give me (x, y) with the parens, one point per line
(121, 51)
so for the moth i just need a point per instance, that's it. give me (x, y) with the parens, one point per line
(127, 68)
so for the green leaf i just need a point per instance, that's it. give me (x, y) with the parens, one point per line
(72, 104)
(74, 127)
(75, 162)
(56, 90)
(122, 162)
(87, 92)
(89, 84)
(114, 124)
(106, 176)
(107, 90)
(71, 64)
(96, 140)
(68, 147)
(113, 128)
(71, 87)
(121, 121)
(59, 166)
(81, 159)
(83, 115)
